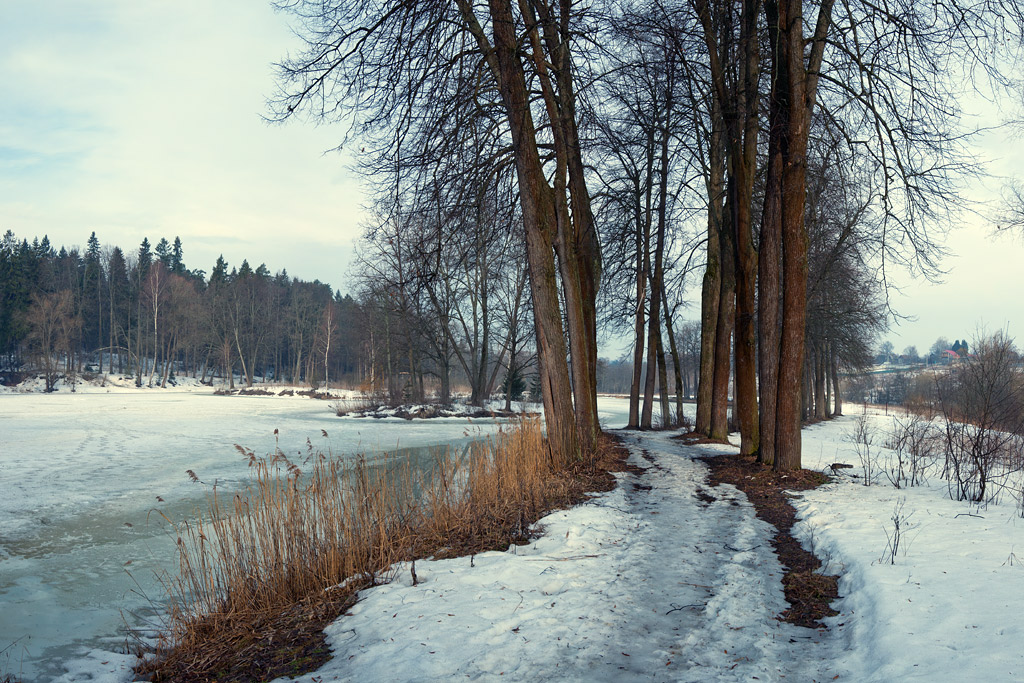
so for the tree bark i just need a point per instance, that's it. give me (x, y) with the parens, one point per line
(711, 290)
(820, 399)
(723, 338)
(836, 395)
(655, 353)
(742, 131)
(639, 325)
(666, 415)
(576, 240)
(676, 364)
(770, 258)
(795, 89)
(539, 226)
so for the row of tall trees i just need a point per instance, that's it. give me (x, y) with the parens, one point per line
(819, 141)
(479, 97)
(830, 152)
(816, 151)
(449, 302)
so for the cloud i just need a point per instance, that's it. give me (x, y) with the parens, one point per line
(143, 119)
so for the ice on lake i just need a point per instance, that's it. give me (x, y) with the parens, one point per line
(86, 480)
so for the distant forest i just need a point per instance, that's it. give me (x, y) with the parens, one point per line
(146, 314)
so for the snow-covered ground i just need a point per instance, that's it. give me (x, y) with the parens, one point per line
(649, 583)
(637, 584)
(950, 607)
(103, 383)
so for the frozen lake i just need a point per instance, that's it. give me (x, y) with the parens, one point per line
(83, 478)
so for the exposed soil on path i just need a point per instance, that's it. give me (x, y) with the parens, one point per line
(808, 592)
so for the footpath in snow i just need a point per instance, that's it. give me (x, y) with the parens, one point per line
(662, 579)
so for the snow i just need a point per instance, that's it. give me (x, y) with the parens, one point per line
(105, 383)
(951, 602)
(634, 584)
(433, 411)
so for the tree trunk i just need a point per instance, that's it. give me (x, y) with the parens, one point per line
(742, 131)
(793, 96)
(711, 290)
(110, 330)
(446, 373)
(642, 247)
(241, 359)
(770, 263)
(745, 390)
(834, 373)
(723, 340)
(794, 235)
(676, 365)
(156, 341)
(586, 245)
(580, 300)
(820, 400)
(807, 392)
(655, 353)
(539, 226)
(666, 414)
(826, 374)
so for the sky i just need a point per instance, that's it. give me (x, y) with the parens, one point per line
(143, 119)
(982, 290)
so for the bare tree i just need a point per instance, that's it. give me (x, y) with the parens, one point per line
(982, 403)
(881, 75)
(645, 162)
(407, 67)
(52, 325)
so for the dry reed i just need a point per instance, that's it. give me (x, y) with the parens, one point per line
(294, 536)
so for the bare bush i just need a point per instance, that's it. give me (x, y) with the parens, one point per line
(897, 539)
(914, 446)
(863, 439)
(982, 404)
(323, 530)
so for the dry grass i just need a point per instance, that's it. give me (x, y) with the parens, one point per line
(268, 568)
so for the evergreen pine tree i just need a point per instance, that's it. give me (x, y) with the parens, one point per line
(92, 291)
(163, 252)
(220, 272)
(536, 391)
(514, 384)
(118, 288)
(145, 257)
(92, 251)
(177, 264)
